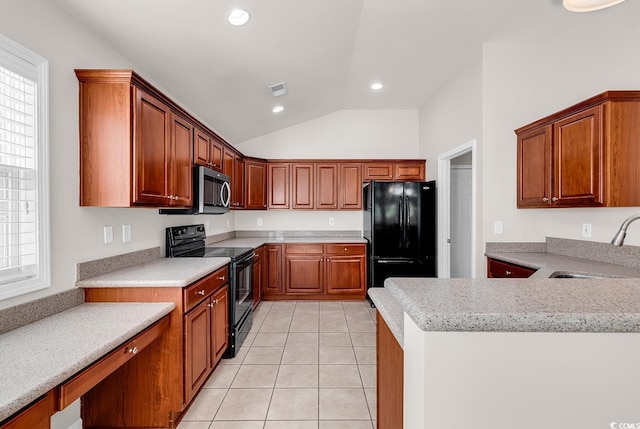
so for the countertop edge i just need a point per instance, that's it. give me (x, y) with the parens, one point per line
(390, 310)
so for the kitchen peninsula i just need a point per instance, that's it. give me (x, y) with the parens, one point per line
(531, 353)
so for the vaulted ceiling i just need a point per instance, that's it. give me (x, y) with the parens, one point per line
(327, 51)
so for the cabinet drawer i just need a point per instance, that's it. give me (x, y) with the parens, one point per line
(91, 376)
(35, 416)
(500, 269)
(304, 249)
(345, 249)
(202, 288)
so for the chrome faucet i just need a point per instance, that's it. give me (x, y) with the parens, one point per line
(618, 239)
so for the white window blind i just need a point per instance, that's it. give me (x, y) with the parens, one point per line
(24, 255)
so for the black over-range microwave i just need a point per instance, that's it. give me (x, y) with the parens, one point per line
(211, 193)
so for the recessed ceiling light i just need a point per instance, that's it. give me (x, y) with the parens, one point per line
(277, 109)
(376, 85)
(238, 17)
(588, 5)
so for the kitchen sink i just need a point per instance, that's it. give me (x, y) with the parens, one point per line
(570, 275)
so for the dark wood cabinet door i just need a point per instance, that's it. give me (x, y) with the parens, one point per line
(152, 127)
(379, 171)
(326, 186)
(228, 164)
(302, 186)
(534, 168)
(219, 304)
(345, 274)
(578, 150)
(304, 273)
(237, 184)
(256, 185)
(200, 148)
(409, 170)
(273, 279)
(500, 269)
(216, 151)
(389, 377)
(197, 334)
(350, 187)
(181, 161)
(278, 185)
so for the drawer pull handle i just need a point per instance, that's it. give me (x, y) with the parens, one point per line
(132, 350)
(507, 272)
(200, 292)
(221, 278)
(345, 249)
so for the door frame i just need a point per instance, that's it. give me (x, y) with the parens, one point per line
(444, 206)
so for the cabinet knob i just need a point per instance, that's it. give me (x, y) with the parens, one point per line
(215, 301)
(507, 272)
(132, 350)
(554, 199)
(345, 249)
(221, 278)
(545, 199)
(200, 292)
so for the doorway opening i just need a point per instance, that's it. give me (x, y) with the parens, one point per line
(457, 180)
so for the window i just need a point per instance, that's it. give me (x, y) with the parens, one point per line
(24, 204)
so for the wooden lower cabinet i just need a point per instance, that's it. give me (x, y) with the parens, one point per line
(35, 416)
(389, 377)
(315, 271)
(189, 350)
(500, 269)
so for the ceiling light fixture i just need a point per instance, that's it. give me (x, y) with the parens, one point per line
(376, 86)
(277, 109)
(238, 17)
(588, 5)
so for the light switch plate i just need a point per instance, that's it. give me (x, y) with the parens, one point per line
(498, 227)
(126, 233)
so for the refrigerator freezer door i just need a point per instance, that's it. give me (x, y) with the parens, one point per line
(382, 269)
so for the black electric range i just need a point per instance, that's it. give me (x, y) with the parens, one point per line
(189, 242)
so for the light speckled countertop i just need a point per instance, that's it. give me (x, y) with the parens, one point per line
(548, 263)
(39, 356)
(256, 242)
(162, 272)
(390, 310)
(520, 305)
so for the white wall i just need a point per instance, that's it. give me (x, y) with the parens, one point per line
(524, 81)
(356, 134)
(76, 233)
(369, 134)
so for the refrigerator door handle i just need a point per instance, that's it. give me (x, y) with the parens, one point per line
(407, 221)
(383, 261)
(401, 222)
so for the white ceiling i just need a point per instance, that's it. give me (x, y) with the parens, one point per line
(327, 51)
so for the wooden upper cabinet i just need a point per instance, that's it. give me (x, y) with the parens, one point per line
(401, 171)
(256, 185)
(350, 187)
(152, 128)
(302, 186)
(207, 150)
(180, 162)
(583, 156)
(578, 147)
(409, 170)
(326, 186)
(278, 185)
(134, 149)
(534, 167)
(378, 171)
(233, 166)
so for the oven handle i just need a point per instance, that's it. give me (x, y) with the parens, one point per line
(246, 258)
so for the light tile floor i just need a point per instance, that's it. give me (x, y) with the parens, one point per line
(304, 365)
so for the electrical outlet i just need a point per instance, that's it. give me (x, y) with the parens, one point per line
(331, 221)
(498, 227)
(227, 223)
(207, 225)
(586, 230)
(108, 234)
(126, 233)
(259, 221)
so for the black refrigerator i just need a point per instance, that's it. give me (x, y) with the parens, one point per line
(400, 227)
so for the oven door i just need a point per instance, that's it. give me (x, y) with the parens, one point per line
(243, 299)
